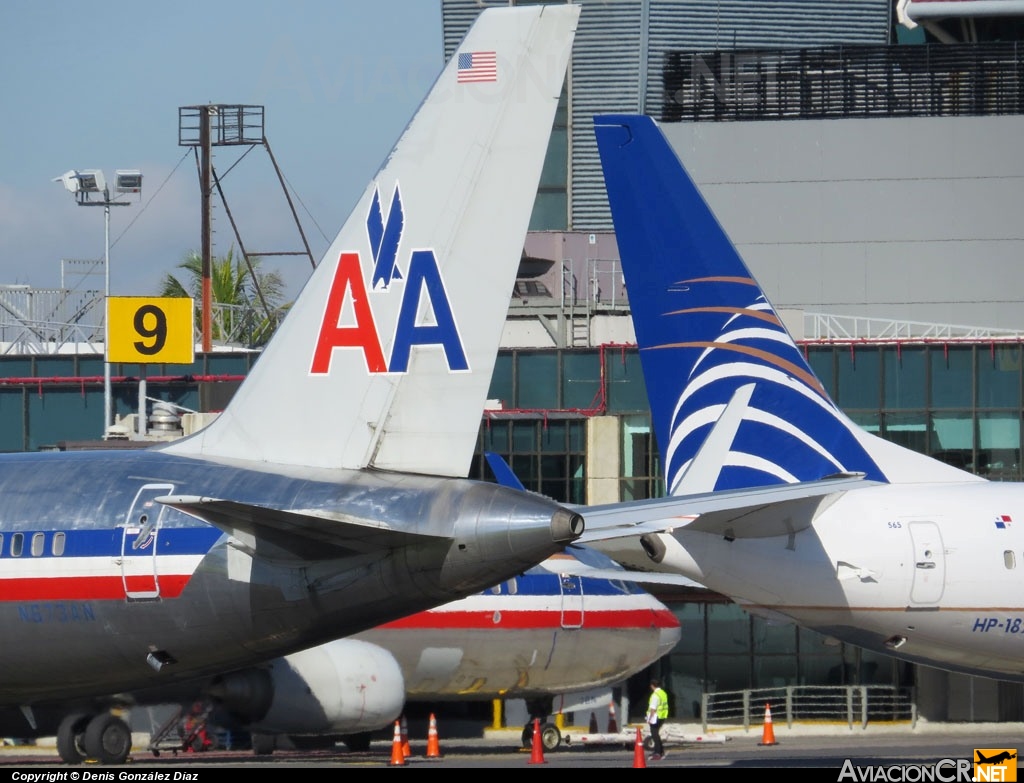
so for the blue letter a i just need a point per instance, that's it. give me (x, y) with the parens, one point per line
(423, 275)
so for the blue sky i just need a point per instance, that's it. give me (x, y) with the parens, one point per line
(99, 85)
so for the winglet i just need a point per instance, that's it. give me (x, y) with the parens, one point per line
(385, 358)
(502, 472)
(701, 474)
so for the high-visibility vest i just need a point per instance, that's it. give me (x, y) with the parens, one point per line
(662, 703)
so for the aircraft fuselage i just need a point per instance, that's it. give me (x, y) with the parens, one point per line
(930, 573)
(537, 634)
(111, 590)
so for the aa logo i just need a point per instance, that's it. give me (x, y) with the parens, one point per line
(998, 764)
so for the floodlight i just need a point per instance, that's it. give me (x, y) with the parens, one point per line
(70, 180)
(82, 184)
(128, 181)
(91, 181)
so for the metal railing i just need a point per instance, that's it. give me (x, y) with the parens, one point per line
(45, 320)
(48, 321)
(933, 80)
(822, 327)
(240, 325)
(855, 705)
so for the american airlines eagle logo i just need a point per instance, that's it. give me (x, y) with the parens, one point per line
(349, 321)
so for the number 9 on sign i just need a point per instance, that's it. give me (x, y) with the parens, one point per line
(150, 330)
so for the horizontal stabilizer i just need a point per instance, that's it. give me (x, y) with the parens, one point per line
(721, 512)
(701, 474)
(712, 512)
(619, 573)
(305, 534)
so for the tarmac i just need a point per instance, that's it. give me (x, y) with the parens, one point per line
(800, 745)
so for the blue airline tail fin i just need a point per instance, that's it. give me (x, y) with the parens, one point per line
(711, 343)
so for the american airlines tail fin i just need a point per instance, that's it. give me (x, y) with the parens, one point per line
(385, 358)
(712, 346)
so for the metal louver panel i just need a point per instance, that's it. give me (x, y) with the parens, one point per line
(457, 16)
(728, 25)
(621, 46)
(606, 72)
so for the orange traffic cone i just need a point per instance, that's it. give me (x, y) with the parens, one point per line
(433, 746)
(537, 749)
(593, 723)
(768, 735)
(613, 724)
(397, 754)
(406, 749)
(639, 759)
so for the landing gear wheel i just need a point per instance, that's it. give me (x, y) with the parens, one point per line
(303, 742)
(108, 739)
(550, 736)
(263, 744)
(358, 743)
(70, 746)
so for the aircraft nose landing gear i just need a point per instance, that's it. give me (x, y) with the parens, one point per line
(550, 735)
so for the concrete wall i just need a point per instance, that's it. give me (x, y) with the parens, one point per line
(910, 219)
(603, 459)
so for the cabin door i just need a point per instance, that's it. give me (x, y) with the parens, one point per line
(572, 601)
(139, 569)
(929, 564)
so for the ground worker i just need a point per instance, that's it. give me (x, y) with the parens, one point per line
(657, 712)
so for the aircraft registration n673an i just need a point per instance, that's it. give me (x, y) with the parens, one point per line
(329, 496)
(917, 559)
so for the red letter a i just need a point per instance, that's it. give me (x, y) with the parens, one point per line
(348, 277)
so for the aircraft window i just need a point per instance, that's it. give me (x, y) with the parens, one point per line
(496, 590)
(57, 545)
(38, 543)
(17, 544)
(513, 586)
(1009, 559)
(1, 544)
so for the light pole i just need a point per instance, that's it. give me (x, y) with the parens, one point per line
(89, 187)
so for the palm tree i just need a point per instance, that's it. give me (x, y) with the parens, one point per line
(251, 300)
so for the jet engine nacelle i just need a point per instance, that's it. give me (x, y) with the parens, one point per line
(345, 686)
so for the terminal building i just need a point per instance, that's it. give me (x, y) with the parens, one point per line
(861, 155)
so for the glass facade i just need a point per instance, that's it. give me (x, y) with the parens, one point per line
(548, 456)
(959, 402)
(48, 399)
(551, 207)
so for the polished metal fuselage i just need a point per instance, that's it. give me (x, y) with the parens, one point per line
(103, 588)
